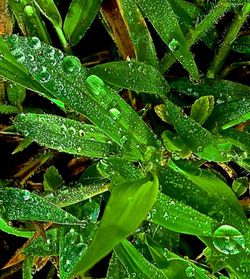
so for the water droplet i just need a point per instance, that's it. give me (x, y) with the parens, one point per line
(96, 85)
(30, 57)
(174, 45)
(72, 130)
(81, 133)
(123, 139)
(26, 195)
(228, 240)
(67, 266)
(115, 113)
(35, 43)
(190, 271)
(71, 64)
(43, 75)
(28, 10)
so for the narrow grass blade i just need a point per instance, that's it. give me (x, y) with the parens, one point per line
(79, 17)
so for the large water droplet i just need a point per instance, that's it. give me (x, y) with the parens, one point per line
(26, 195)
(174, 45)
(115, 113)
(28, 10)
(190, 271)
(35, 43)
(67, 266)
(71, 64)
(96, 85)
(228, 240)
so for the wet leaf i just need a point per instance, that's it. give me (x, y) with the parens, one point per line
(30, 207)
(79, 17)
(242, 44)
(52, 179)
(79, 139)
(240, 186)
(136, 76)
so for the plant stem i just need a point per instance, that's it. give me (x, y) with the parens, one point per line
(225, 47)
(65, 44)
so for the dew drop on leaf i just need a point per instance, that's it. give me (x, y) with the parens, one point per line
(190, 271)
(174, 45)
(35, 43)
(228, 240)
(26, 195)
(115, 113)
(71, 64)
(43, 76)
(96, 85)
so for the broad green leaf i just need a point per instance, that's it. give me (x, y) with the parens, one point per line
(230, 113)
(242, 44)
(6, 227)
(75, 194)
(74, 241)
(222, 90)
(165, 22)
(199, 140)
(64, 78)
(29, 19)
(119, 219)
(160, 110)
(136, 76)
(171, 141)
(202, 108)
(30, 207)
(139, 33)
(49, 9)
(135, 263)
(16, 94)
(41, 247)
(78, 138)
(79, 17)
(179, 217)
(52, 179)
(172, 265)
(27, 267)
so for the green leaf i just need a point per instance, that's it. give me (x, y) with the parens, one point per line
(160, 110)
(230, 113)
(199, 140)
(240, 186)
(172, 265)
(49, 9)
(222, 90)
(177, 216)
(74, 241)
(27, 267)
(136, 76)
(75, 194)
(116, 269)
(41, 247)
(165, 22)
(30, 207)
(52, 179)
(6, 109)
(22, 145)
(64, 78)
(29, 19)
(139, 33)
(16, 94)
(79, 17)
(135, 263)
(119, 219)
(202, 108)
(6, 227)
(242, 44)
(79, 139)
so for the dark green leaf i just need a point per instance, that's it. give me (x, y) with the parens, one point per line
(52, 179)
(242, 44)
